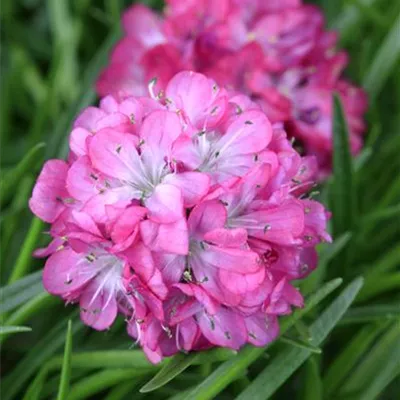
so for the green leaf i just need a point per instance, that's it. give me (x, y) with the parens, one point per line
(174, 367)
(290, 359)
(34, 359)
(301, 344)
(21, 285)
(311, 302)
(384, 264)
(66, 367)
(4, 330)
(35, 388)
(386, 283)
(100, 381)
(376, 312)
(21, 291)
(328, 252)
(390, 212)
(29, 162)
(384, 61)
(122, 391)
(312, 386)
(390, 370)
(385, 350)
(33, 306)
(229, 370)
(343, 364)
(342, 193)
(133, 359)
(25, 256)
(348, 20)
(58, 144)
(106, 359)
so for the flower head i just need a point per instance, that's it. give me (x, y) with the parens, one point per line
(276, 52)
(186, 212)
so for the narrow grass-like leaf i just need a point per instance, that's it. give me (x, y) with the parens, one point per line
(66, 367)
(58, 144)
(133, 359)
(34, 359)
(6, 330)
(102, 380)
(387, 262)
(327, 252)
(301, 344)
(312, 386)
(25, 256)
(384, 61)
(12, 301)
(34, 390)
(7, 184)
(362, 159)
(122, 391)
(386, 283)
(173, 368)
(311, 302)
(390, 370)
(390, 212)
(22, 284)
(229, 370)
(343, 364)
(342, 194)
(333, 249)
(376, 312)
(290, 359)
(348, 19)
(380, 353)
(106, 359)
(33, 306)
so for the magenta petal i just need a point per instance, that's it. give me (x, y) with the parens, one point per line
(143, 24)
(141, 261)
(47, 201)
(78, 141)
(227, 237)
(248, 134)
(184, 91)
(170, 265)
(171, 238)
(158, 132)
(88, 118)
(241, 283)
(53, 246)
(188, 333)
(262, 329)
(206, 217)
(225, 328)
(193, 185)
(115, 154)
(165, 205)
(63, 272)
(98, 310)
(282, 225)
(230, 259)
(126, 225)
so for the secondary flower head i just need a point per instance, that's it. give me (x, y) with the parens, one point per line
(186, 212)
(276, 52)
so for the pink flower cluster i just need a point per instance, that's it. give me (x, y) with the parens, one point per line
(186, 213)
(276, 51)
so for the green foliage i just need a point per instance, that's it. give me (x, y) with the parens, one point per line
(52, 52)
(66, 366)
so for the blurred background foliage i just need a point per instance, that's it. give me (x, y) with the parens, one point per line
(344, 345)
